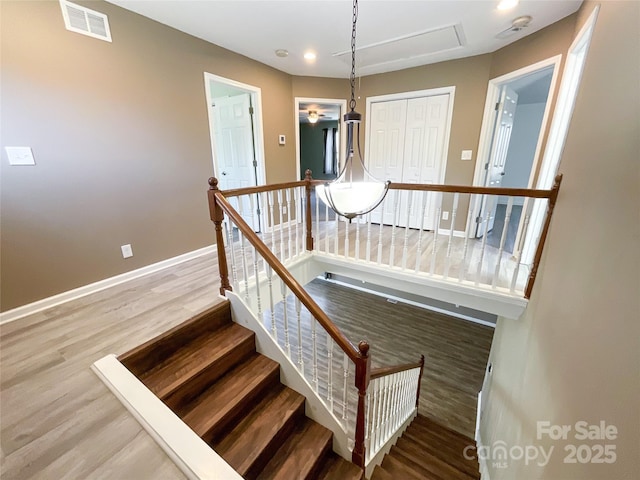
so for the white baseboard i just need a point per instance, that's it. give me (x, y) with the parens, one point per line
(482, 461)
(38, 306)
(456, 233)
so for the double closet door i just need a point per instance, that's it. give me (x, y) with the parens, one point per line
(407, 145)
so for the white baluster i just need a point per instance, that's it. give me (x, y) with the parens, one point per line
(454, 212)
(317, 219)
(274, 330)
(289, 236)
(329, 372)
(405, 249)
(347, 225)
(314, 345)
(232, 256)
(299, 318)
(336, 234)
(435, 237)
(245, 268)
(281, 221)
(423, 210)
(368, 237)
(257, 281)
(271, 221)
(367, 425)
(396, 203)
(471, 225)
(507, 219)
(326, 228)
(490, 205)
(357, 253)
(382, 207)
(345, 374)
(373, 387)
(297, 199)
(518, 258)
(285, 318)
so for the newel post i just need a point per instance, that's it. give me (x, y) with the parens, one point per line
(307, 179)
(420, 380)
(363, 371)
(217, 216)
(543, 236)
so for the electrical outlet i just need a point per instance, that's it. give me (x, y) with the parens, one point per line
(445, 215)
(126, 251)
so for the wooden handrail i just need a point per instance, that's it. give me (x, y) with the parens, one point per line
(543, 236)
(384, 371)
(220, 201)
(263, 188)
(427, 187)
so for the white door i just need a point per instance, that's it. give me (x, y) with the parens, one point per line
(407, 145)
(387, 127)
(234, 150)
(496, 162)
(424, 155)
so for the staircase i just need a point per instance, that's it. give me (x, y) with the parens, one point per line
(208, 372)
(428, 451)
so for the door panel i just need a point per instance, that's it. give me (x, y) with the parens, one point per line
(233, 136)
(496, 162)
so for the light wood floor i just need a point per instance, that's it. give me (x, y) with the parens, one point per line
(58, 420)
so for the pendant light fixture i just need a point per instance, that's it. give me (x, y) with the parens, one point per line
(346, 196)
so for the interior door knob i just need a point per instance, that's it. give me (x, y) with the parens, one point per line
(501, 173)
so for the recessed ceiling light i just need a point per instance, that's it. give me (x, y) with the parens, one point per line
(507, 4)
(310, 56)
(282, 53)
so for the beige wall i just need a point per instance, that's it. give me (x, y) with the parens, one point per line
(574, 355)
(121, 138)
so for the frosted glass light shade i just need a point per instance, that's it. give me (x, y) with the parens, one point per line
(352, 198)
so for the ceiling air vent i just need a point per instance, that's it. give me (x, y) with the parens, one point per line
(83, 20)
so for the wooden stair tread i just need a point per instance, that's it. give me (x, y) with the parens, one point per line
(398, 469)
(450, 454)
(337, 468)
(440, 430)
(146, 356)
(380, 473)
(248, 447)
(426, 463)
(195, 357)
(219, 405)
(300, 456)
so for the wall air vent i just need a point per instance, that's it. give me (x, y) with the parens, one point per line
(83, 20)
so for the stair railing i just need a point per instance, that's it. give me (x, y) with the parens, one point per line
(392, 398)
(297, 325)
(408, 232)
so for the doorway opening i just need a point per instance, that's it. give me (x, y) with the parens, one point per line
(235, 125)
(516, 113)
(320, 146)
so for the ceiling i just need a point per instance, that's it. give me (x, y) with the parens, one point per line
(391, 34)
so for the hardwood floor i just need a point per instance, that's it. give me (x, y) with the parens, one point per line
(57, 419)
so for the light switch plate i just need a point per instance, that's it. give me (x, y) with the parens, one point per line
(466, 155)
(282, 139)
(20, 156)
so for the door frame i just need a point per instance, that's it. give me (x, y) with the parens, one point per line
(331, 101)
(487, 131)
(258, 131)
(431, 92)
(567, 93)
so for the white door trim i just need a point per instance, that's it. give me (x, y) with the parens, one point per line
(256, 96)
(568, 91)
(431, 92)
(486, 131)
(333, 101)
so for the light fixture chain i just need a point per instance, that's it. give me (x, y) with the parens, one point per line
(352, 103)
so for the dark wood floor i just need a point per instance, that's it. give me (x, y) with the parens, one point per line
(456, 351)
